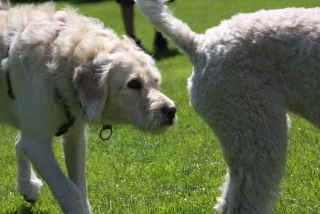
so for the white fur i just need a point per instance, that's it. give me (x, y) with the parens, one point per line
(248, 72)
(46, 52)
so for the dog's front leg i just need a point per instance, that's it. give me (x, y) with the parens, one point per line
(39, 151)
(28, 183)
(74, 142)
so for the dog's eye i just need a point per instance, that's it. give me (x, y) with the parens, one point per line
(134, 84)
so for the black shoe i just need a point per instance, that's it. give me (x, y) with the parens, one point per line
(138, 42)
(160, 44)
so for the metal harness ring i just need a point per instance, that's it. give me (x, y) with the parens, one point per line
(103, 128)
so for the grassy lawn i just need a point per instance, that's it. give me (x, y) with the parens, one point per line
(179, 171)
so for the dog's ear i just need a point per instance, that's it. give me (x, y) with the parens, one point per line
(92, 89)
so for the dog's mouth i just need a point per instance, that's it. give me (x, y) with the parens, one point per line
(158, 128)
(152, 121)
(163, 118)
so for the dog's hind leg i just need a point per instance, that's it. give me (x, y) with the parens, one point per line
(28, 183)
(252, 128)
(38, 149)
(74, 142)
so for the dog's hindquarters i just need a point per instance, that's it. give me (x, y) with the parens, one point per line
(159, 15)
(252, 128)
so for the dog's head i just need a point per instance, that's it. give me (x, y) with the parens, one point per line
(122, 86)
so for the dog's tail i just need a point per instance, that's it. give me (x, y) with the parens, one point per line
(5, 4)
(161, 18)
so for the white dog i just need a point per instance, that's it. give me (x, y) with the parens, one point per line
(248, 72)
(60, 70)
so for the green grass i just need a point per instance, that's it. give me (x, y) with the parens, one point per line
(178, 172)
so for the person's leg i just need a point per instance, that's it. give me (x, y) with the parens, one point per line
(127, 13)
(160, 43)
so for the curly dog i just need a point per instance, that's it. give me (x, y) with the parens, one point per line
(59, 71)
(248, 72)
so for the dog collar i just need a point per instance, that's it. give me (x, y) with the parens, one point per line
(103, 128)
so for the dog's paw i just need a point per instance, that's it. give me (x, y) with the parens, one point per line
(30, 189)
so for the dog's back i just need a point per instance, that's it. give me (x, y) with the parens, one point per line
(37, 34)
(13, 22)
(45, 41)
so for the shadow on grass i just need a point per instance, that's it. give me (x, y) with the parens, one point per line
(166, 54)
(25, 209)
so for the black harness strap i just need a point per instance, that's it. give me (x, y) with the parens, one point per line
(70, 118)
(10, 92)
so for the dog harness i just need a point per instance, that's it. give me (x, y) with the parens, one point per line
(60, 99)
(8, 81)
(70, 118)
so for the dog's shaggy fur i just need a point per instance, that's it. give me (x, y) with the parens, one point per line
(248, 72)
(59, 64)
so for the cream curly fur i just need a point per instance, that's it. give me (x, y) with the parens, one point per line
(100, 77)
(248, 72)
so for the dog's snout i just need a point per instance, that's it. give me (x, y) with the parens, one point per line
(169, 111)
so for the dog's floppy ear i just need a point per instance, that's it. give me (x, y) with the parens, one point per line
(92, 89)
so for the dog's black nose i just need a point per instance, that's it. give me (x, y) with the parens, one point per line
(169, 111)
